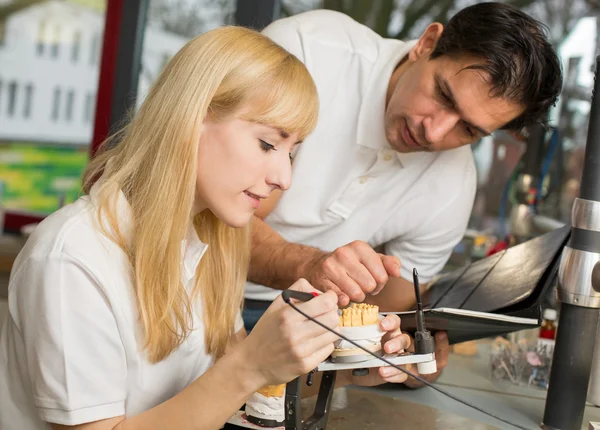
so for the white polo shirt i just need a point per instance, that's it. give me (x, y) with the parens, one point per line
(348, 184)
(71, 347)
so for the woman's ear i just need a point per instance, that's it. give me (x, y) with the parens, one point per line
(427, 42)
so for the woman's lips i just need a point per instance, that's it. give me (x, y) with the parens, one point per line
(254, 199)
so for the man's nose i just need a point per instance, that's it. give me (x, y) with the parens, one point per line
(439, 125)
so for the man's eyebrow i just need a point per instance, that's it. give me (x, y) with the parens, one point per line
(445, 85)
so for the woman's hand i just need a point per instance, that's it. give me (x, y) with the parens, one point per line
(393, 341)
(284, 345)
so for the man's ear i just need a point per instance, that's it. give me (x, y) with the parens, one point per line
(427, 42)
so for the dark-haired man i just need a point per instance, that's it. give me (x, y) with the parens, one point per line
(389, 167)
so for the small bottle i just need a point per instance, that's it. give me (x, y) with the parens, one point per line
(548, 328)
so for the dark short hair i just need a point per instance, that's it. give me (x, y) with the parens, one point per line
(516, 53)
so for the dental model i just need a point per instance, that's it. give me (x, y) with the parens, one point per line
(266, 407)
(359, 322)
(359, 314)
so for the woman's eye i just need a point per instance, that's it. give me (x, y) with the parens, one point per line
(265, 146)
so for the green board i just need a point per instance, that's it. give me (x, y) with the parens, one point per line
(38, 177)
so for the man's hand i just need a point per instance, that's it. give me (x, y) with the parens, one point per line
(393, 341)
(442, 349)
(352, 271)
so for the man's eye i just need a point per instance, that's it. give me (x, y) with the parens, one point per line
(470, 132)
(444, 96)
(265, 146)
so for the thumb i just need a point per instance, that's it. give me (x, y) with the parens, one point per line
(343, 299)
(300, 285)
(304, 286)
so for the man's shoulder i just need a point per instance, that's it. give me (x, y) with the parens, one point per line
(326, 28)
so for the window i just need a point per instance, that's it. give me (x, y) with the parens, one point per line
(55, 104)
(69, 107)
(42, 155)
(94, 50)
(89, 107)
(41, 42)
(28, 100)
(12, 98)
(56, 42)
(76, 46)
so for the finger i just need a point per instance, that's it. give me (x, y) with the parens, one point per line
(322, 304)
(361, 276)
(391, 264)
(372, 262)
(410, 381)
(319, 341)
(442, 349)
(317, 357)
(343, 299)
(335, 274)
(303, 285)
(392, 268)
(411, 347)
(308, 329)
(441, 341)
(393, 375)
(397, 344)
(300, 285)
(327, 285)
(390, 322)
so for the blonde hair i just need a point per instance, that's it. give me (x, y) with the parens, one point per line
(154, 164)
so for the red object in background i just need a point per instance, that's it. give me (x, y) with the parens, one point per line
(108, 66)
(548, 328)
(548, 333)
(500, 246)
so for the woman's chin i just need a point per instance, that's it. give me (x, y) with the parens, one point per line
(237, 221)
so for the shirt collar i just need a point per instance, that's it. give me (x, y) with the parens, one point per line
(371, 127)
(192, 248)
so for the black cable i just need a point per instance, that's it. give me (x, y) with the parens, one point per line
(418, 378)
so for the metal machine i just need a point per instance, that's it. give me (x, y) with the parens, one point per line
(578, 291)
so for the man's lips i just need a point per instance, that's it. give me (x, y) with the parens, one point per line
(409, 138)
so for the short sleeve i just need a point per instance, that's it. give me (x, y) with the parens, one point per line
(74, 358)
(428, 249)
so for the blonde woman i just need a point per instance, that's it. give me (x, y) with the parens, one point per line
(125, 305)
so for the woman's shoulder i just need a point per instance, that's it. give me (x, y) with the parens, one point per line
(71, 232)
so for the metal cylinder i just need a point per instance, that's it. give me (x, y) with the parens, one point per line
(578, 291)
(590, 179)
(571, 366)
